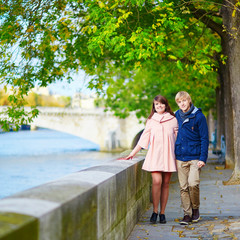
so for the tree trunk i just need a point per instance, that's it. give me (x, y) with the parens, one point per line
(232, 47)
(220, 115)
(211, 124)
(225, 102)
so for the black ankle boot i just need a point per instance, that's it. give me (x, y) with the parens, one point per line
(153, 218)
(162, 218)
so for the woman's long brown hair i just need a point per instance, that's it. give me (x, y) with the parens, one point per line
(163, 100)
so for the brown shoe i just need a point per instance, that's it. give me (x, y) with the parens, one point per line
(186, 220)
(195, 215)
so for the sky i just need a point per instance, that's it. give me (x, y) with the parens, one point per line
(79, 84)
(63, 88)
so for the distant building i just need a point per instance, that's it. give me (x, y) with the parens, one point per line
(41, 91)
(81, 100)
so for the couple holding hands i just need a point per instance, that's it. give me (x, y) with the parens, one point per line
(175, 142)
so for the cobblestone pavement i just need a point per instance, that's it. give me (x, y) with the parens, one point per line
(219, 210)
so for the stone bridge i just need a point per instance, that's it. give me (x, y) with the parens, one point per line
(103, 128)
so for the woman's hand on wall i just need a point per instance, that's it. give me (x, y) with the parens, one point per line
(129, 157)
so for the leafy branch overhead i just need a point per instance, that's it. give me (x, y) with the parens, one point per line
(133, 50)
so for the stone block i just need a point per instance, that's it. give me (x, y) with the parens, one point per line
(18, 226)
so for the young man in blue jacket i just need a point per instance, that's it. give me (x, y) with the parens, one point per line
(191, 151)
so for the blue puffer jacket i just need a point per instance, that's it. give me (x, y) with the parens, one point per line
(192, 139)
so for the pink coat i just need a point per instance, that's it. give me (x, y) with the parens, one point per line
(160, 132)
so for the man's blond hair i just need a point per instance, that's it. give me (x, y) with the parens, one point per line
(183, 95)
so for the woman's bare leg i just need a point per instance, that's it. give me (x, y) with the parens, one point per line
(156, 189)
(164, 191)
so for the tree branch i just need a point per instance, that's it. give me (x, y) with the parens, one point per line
(202, 16)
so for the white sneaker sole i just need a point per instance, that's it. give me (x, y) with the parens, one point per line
(185, 223)
(196, 220)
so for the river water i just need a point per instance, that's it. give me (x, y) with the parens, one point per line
(32, 158)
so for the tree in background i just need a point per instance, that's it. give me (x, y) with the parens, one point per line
(134, 49)
(33, 99)
(3, 98)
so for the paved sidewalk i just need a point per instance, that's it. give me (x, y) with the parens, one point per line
(219, 210)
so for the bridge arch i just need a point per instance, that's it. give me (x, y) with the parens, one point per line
(100, 127)
(136, 138)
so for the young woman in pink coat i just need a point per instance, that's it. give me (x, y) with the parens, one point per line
(159, 138)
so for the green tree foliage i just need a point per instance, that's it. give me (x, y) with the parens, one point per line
(136, 94)
(133, 49)
(155, 48)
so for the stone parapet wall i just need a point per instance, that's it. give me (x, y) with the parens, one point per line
(102, 202)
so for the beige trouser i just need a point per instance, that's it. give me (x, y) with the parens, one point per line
(189, 179)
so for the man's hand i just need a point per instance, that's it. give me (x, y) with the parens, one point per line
(201, 164)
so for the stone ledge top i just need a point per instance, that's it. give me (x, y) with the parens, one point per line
(31, 207)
